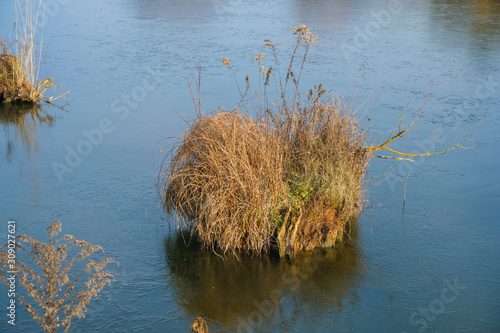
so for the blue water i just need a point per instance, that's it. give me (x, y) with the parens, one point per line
(431, 265)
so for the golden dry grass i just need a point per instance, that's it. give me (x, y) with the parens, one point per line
(20, 68)
(14, 85)
(289, 177)
(224, 180)
(325, 167)
(291, 181)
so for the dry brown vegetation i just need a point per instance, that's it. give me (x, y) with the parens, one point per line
(199, 326)
(286, 175)
(292, 181)
(13, 83)
(20, 61)
(325, 165)
(226, 179)
(54, 296)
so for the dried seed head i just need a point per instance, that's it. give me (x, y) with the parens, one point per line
(305, 34)
(54, 228)
(258, 57)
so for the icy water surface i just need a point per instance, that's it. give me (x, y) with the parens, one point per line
(433, 266)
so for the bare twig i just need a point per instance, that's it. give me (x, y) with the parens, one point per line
(403, 132)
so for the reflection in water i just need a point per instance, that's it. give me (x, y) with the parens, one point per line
(328, 15)
(479, 19)
(255, 291)
(192, 12)
(19, 122)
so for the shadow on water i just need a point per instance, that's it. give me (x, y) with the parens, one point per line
(20, 122)
(256, 291)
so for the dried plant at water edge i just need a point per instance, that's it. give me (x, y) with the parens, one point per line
(20, 61)
(54, 294)
(287, 177)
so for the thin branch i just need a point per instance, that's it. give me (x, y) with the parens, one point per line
(410, 128)
(437, 153)
(401, 133)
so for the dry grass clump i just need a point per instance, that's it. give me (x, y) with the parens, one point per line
(54, 296)
(293, 181)
(19, 69)
(289, 177)
(225, 179)
(13, 83)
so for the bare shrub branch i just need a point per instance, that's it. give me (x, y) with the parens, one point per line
(401, 133)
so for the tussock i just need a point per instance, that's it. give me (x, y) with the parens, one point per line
(19, 68)
(225, 179)
(288, 177)
(13, 83)
(293, 181)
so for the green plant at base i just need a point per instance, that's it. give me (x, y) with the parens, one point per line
(303, 192)
(58, 298)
